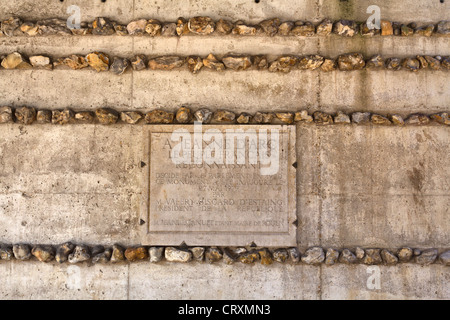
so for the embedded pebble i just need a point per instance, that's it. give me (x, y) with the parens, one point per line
(203, 115)
(313, 255)
(63, 251)
(427, 257)
(198, 253)
(156, 254)
(118, 253)
(43, 253)
(81, 253)
(6, 115)
(173, 254)
(213, 255)
(331, 256)
(136, 253)
(21, 251)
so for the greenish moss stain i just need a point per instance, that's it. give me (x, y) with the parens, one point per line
(346, 9)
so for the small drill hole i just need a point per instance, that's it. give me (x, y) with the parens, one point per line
(256, 1)
(442, 1)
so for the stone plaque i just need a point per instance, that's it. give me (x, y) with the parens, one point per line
(224, 185)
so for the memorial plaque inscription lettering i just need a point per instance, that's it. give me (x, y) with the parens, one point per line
(220, 185)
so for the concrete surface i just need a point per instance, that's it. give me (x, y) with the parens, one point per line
(128, 46)
(381, 92)
(402, 282)
(374, 186)
(70, 184)
(169, 10)
(219, 281)
(357, 185)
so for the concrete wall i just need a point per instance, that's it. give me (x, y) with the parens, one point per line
(362, 186)
(357, 186)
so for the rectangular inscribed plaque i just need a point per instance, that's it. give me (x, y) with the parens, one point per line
(224, 185)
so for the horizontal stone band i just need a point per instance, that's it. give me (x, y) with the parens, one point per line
(100, 61)
(71, 253)
(184, 115)
(15, 26)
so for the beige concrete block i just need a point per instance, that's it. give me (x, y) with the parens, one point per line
(70, 159)
(229, 9)
(63, 46)
(384, 186)
(50, 281)
(57, 89)
(385, 221)
(246, 91)
(81, 183)
(223, 282)
(384, 91)
(400, 282)
(114, 9)
(127, 46)
(56, 218)
(234, 10)
(384, 160)
(406, 11)
(333, 45)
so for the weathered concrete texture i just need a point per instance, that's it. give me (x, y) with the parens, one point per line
(382, 92)
(170, 10)
(227, 90)
(357, 185)
(364, 186)
(401, 282)
(333, 45)
(222, 282)
(376, 186)
(229, 9)
(57, 89)
(126, 46)
(405, 11)
(40, 281)
(308, 185)
(236, 281)
(80, 184)
(381, 219)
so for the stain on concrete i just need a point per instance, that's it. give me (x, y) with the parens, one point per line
(416, 177)
(346, 9)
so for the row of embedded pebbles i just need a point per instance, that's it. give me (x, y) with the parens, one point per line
(100, 61)
(72, 253)
(28, 115)
(202, 25)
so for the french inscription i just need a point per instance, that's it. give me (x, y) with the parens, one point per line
(205, 190)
